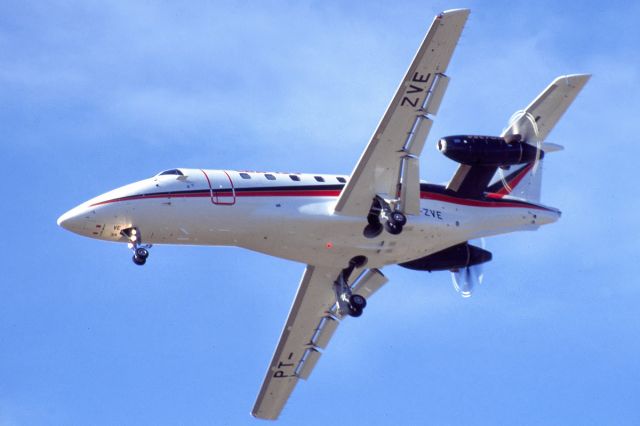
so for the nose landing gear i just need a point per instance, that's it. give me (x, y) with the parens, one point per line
(140, 251)
(140, 256)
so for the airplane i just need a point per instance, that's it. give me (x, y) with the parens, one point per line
(345, 229)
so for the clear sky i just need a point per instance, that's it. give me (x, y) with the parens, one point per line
(94, 95)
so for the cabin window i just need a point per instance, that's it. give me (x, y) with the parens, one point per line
(269, 176)
(341, 179)
(319, 178)
(245, 175)
(295, 178)
(171, 172)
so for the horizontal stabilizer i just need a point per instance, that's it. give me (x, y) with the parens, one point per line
(536, 121)
(551, 147)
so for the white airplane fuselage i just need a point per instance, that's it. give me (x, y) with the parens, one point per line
(290, 216)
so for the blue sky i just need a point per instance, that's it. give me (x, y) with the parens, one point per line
(94, 95)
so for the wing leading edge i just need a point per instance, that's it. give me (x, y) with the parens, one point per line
(389, 164)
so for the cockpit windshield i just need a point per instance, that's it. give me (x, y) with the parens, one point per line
(171, 172)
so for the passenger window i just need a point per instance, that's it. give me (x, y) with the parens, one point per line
(245, 176)
(295, 177)
(269, 176)
(341, 179)
(319, 178)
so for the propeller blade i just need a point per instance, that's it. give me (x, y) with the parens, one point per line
(524, 124)
(463, 282)
(466, 279)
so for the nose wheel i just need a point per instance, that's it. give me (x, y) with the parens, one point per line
(140, 256)
(140, 251)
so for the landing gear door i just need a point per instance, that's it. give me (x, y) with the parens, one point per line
(220, 187)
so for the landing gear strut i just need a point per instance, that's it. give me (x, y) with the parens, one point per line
(140, 251)
(348, 303)
(380, 209)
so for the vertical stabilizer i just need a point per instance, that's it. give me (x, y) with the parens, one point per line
(521, 181)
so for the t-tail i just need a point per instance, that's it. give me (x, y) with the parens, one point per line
(509, 165)
(532, 126)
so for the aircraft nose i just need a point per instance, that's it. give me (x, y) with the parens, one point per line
(66, 220)
(72, 220)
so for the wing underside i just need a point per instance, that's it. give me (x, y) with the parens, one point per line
(389, 165)
(310, 325)
(313, 301)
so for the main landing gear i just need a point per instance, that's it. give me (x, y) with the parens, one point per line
(349, 303)
(140, 251)
(395, 222)
(380, 209)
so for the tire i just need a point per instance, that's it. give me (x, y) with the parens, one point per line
(142, 253)
(355, 312)
(357, 302)
(392, 227)
(399, 218)
(139, 260)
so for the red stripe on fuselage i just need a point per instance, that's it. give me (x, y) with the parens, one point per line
(331, 193)
(207, 193)
(479, 203)
(291, 193)
(505, 190)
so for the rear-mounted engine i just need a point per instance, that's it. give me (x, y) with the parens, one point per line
(488, 150)
(454, 257)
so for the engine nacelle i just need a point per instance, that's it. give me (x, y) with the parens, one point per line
(488, 150)
(454, 257)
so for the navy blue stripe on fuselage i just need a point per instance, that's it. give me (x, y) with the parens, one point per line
(427, 191)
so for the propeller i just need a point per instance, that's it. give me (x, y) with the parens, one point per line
(523, 126)
(467, 278)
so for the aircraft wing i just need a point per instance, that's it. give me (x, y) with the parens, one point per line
(389, 164)
(309, 327)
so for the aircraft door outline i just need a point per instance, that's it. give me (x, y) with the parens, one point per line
(221, 189)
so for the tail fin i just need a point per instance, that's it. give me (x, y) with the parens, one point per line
(521, 181)
(533, 125)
